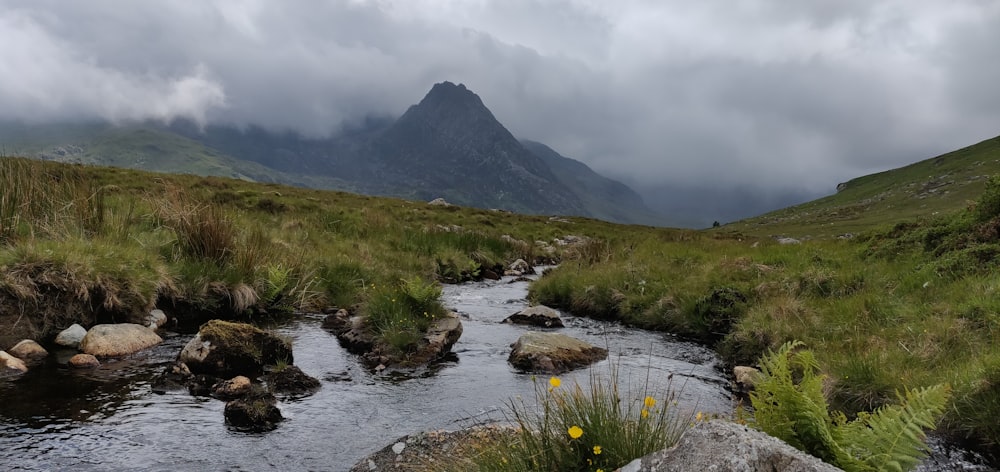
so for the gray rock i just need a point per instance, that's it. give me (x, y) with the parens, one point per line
(518, 268)
(539, 315)
(723, 446)
(744, 377)
(113, 340)
(788, 241)
(11, 365)
(29, 351)
(226, 349)
(155, 319)
(553, 353)
(439, 202)
(71, 337)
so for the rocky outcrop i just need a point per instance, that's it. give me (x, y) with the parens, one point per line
(726, 446)
(29, 351)
(10, 365)
(350, 331)
(71, 337)
(427, 450)
(226, 349)
(354, 335)
(291, 380)
(256, 411)
(114, 340)
(83, 361)
(518, 268)
(553, 353)
(540, 315)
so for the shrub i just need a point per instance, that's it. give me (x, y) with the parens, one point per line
(789, 404)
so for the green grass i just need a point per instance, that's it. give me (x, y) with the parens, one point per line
(937, 186)
(573, 428)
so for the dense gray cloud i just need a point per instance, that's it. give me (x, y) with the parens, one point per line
(776, 98)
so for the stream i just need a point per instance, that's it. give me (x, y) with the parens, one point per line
(108, 418)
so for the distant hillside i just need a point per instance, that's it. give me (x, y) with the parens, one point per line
(943, 184)
(449, 146)
(605, 198)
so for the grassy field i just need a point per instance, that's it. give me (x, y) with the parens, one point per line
(911, 300)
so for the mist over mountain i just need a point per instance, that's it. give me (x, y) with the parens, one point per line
(449, 145)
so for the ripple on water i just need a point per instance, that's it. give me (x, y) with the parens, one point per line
(108, 419)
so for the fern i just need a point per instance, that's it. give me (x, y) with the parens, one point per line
(789, 404)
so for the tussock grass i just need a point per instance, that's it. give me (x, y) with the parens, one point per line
(574, 428)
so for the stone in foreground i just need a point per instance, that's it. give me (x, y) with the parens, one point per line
(725, 446)
(115, 340)
(226, 349)
(540, 315)
(553, 353)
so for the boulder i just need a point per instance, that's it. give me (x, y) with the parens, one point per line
(226, 349)
(518, 268)
(788, 241)
(536, 316)
(743, 378)
(553, 353)
(443, 333)
(83, 361)
(113, 340)
(350, 331)
(439, 202)
(155, 319)
(71, 337)
(725, 446)
(231, 389)
(11, 365)
(291, 380)
(256, 411)
(29, 351)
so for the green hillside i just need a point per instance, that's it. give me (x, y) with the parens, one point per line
(936, 186)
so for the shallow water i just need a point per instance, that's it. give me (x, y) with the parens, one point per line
(108, 418)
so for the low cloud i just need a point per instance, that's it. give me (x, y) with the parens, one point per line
(774, 98)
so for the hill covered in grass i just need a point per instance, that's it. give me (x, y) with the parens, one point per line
(941, 185)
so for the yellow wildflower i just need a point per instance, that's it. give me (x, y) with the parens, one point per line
(649, 402)
(597, 450)
(645, 413)
(555, 382)
(600, 470)
(699, 416)
(574, 432)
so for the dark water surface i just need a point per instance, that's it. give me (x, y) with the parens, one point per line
(109, 419)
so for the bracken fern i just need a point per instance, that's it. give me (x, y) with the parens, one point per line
(789, 404)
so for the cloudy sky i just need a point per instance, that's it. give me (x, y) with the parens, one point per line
(759, 100)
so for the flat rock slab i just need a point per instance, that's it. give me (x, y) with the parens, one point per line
(540, 315)
(114, 340)
(725, 446)
(553, 353)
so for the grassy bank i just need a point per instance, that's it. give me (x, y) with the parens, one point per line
(87, 244)
(908, 306)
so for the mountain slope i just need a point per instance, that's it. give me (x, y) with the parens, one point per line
(605, 198)
(939, 185)
(450, 145)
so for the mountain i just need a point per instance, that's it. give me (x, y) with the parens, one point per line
(606, 199)
(449, 145)
(936, 186)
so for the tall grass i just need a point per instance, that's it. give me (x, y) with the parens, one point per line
(575, 428)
